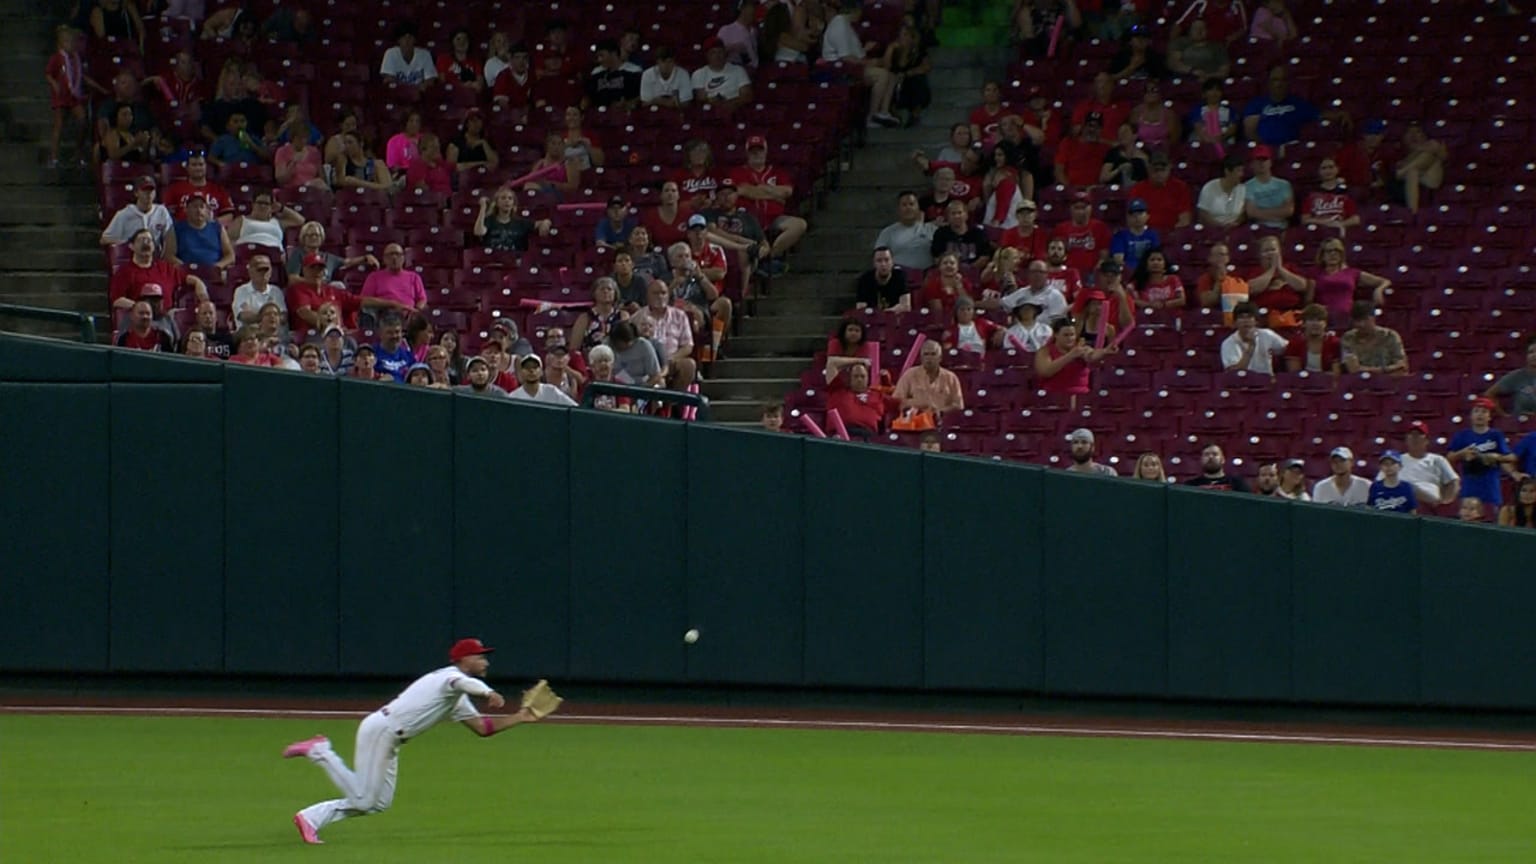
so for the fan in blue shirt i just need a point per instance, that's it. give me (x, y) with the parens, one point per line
(1278, 117)
(1131, 243)
(1480, 452)
(1389, 493)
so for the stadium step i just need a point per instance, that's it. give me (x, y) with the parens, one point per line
(787, 368)
(61, 284)
(799, 347)
(791, 325)
(17, 241)
(755, 390)
(742, 413)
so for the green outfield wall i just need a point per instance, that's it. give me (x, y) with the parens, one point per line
(171, 515)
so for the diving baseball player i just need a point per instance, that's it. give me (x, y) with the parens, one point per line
(445, 692)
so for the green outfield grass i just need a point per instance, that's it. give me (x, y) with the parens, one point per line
(78, 790)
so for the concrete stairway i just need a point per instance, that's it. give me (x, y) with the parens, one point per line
(48, 219)
(777, 343)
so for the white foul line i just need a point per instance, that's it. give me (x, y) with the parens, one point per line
(856, 725)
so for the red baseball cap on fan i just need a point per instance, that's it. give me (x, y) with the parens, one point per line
(466, 648)
(757, 142)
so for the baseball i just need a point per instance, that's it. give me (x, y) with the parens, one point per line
(691, 636)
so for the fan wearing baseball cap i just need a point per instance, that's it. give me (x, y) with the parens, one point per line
(767, 191)
(439, 695)
(1433, 479)
(1342, 486)
(1482, 453)
(308, 291)
(1270, 200)
(1389, 493)
(140, 213)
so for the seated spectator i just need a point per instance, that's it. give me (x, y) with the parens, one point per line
(298, 164)
(1213, 472)
(909, 238)
(1101, 106)
(1034, 24)
(666, 84)
(355, 169)
(256, 293)
(602, 363)
(667, 222)
(635, 357)
(1371, 348)
(531, 386)
(719, 84)
(405, 63)
(393, 356)
(946, 188)
(365, 365)
(143, 214)
(1330, 205)
(513, 82)
(1270, 201)
(142, 334)
(1314, 349)
(961, 141)
(1026, 235)
(1293, 481)
(1470, 509)
(336, 356)
(1219, 288)
(968, 333)
(394, 287)
(927, 386)
(1065, 363)
(701, 299)
(1167, 197)
(1137, 58)
(1001, 275)
(1337, 286)
(196, 183)
(632, 284)
(672, 331)
(500, 227)
(1519, 385)
(237, 145)
(250, 351)
(609, 85)
(469, 149)
(846, 348)
(1038, 290)
(1364, 163)
(1482, 453)
(402, 147)
(908, 62)
(861, 409)
(1521, 513)
(264, 225)
(733, 226)
(429, 170)
(984, 119)
(1272, 24)
(1132, 243)
(593, 325)
(1149, 466)
(1276, 287)
(1278, 118)
(1212, 122)
(478, 377)
(311, 238)
(780, 40)
(1227, 20)
(558, 371)
(944, 285)
(556, 60)
(698, 179)
(1059, 274)
(884, 285)
(1268, 481)
(766, 191)
(130, 279)
(1087, 239)
(1001, 192)
(562, 182)
(217, 341)
(841, 44)
(1019, 152)
(1433, 479)
(1028, 331)
(199, 239)
(1342, 486)
(195, 345)
(740, 36)
(1080, 448)
(1154, 287)
(1199, 55)
(648, 262)
(1156, 123)
(1125, 164)
(1224, 201)
(1079, 159)
(1107, 305)
(1042, 122)
(500, 360)
(231, 95)
(1420, 164)
(125, 93)
(458, 66)
(708, 255)
(1250, 347)
(122, 143)
(966, 242)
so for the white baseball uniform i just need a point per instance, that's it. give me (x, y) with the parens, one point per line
(439, 694)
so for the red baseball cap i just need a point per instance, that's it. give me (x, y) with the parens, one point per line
(151, 289)
(1419, 426)
(1082, 196)
(314, 259)
(467, 648)
(757, 141)
(1484, 402)
(1262, 152)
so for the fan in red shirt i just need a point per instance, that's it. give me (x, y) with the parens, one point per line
(992, 109)
(129, 280)
(1225, 20)
(1027, 237)
(1363, 164)
(766, 192)
(697, 180)
(1042, 121)
(1314, 349)
(667, 222)
(197, 183)
(456, 67)
(1079, 159)
(1111, 113)
(310, 291)
(861, 409)
(1329, 205)
(142, 334)
(1170, 204)
(555, 59)
(513, 88)
(1059, 274)
(1086, 238)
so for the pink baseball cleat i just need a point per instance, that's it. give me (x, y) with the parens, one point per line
(306, 830)
(302, 748)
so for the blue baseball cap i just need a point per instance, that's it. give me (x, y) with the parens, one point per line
(1136, 205)
(1393, 455)
(1375, 127)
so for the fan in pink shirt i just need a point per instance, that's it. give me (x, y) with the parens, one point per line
(394, 287)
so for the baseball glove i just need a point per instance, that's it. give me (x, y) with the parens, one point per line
(540, 701)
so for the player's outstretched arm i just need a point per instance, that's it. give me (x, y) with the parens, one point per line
(485, 727)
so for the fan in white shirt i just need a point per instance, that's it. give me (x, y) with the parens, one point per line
(405, 63)
(142, 215)
(430, 699)
(1434, 480)
(1342, 487)
(666, 84)
(840, 44)
(1250, 346)
(530, 373)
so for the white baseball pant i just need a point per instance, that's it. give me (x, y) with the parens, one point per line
(369, 789)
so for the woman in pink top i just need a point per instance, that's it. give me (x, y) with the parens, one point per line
(1337, 284)
(1155, 124)
(429, 169)
(1063, 366)
(1272, 22)
(401, 149)
(297, 164)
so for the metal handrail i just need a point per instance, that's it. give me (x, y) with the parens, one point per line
(85, 320)
(654, 394)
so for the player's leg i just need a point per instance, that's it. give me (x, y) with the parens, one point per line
(375, 749)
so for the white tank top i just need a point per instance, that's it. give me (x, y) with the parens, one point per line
(268, 233)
